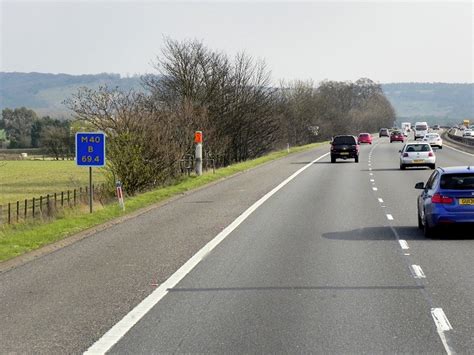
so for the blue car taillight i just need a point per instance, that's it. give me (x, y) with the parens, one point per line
(438, 198)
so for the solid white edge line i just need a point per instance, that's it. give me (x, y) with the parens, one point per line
(442, 325)
(389, 217)
(458, 150)
(403, 243)
(417, 272)
(109, 339)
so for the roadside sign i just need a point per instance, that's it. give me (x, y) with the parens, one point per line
(90, 149)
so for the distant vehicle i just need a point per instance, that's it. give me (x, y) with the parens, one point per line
(406, 128)
(436, 127)
(344, 147)
(434, 140)
(465, 123)
(383, 132)
(397, 136)
(468, 133)
(447, 199)
(364, 138)
(421, 128)
(417, 154)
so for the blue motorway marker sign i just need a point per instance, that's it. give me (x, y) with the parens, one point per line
(90, 149)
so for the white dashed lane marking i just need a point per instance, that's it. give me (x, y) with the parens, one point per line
(440, 319)
(403, 243)
(442, 325)
(417, 272)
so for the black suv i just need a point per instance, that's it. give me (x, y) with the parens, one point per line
(344, 147)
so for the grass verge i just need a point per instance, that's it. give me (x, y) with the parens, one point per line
(18, 239)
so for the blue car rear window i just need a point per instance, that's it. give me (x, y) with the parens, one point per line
(457, 181)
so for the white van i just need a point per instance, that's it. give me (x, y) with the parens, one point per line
(421, 128)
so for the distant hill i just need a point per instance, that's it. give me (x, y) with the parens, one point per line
(433, 102)
(44, 93)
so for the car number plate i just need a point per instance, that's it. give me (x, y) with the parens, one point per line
(418, 161)
(344, 153)
(466, 201)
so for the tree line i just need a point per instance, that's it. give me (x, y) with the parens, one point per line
(24, 129)
(231, 99)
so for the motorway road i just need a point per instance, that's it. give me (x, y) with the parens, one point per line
(332, 262)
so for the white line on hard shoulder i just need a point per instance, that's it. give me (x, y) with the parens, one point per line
(372, 180)
(380, 200)
(460, 151)
(389, 217)
(371, 174)
(417, 272)
(374, 188)
(109, 339)
(403, 243)
(442, 326)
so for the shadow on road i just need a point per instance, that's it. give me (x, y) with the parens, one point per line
(398, 169)
(323, 162)
(404, 232)
(297, 288)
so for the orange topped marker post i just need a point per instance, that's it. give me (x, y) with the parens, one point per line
(198, 152)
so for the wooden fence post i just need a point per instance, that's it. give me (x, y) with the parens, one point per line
(34, 203)
(17, 211)
(9, 213)
(26, 207)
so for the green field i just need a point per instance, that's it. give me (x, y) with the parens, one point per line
(24, 179)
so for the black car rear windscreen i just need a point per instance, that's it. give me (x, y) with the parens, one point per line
(344, 140)
(457, 181)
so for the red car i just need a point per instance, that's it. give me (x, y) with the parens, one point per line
(397, 136)
(365, 138)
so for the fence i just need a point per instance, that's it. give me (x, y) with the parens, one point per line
(48, 205)
(187, 164)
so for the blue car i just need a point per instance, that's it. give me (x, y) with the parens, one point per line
(447, 199)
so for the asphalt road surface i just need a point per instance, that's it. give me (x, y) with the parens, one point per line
(329, 262)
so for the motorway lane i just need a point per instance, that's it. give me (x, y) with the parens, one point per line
(62, 302)
(316, 268)
(447, 263)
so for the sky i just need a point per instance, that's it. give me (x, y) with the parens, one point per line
(386, 41)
